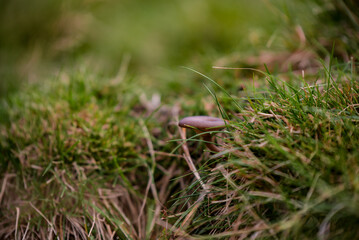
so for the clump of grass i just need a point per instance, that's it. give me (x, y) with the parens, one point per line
(70, 158)
(90, 160)
(291, 167)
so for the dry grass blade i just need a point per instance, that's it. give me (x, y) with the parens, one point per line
(140, 230)
(92, 226)
(17, 221)
(122, 70)
(187, 220)
(26, 230)
(187, 157)
(3, 186)
(164, 182)
(266, 195)
(47, 220)
(151, 180)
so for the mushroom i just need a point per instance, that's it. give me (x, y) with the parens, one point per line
(204, 124)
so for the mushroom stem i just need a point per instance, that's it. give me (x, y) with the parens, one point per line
(208, 141)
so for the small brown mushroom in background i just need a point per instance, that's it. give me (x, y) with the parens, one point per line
(204, 124)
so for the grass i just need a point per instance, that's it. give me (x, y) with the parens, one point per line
(71, 160)
(97, 154)
(290, 171)
(71, 150)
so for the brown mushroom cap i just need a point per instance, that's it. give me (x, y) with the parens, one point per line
(203, 123)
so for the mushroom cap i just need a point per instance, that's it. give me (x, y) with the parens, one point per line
(203, 123)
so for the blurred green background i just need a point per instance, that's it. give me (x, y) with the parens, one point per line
(155, 37)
